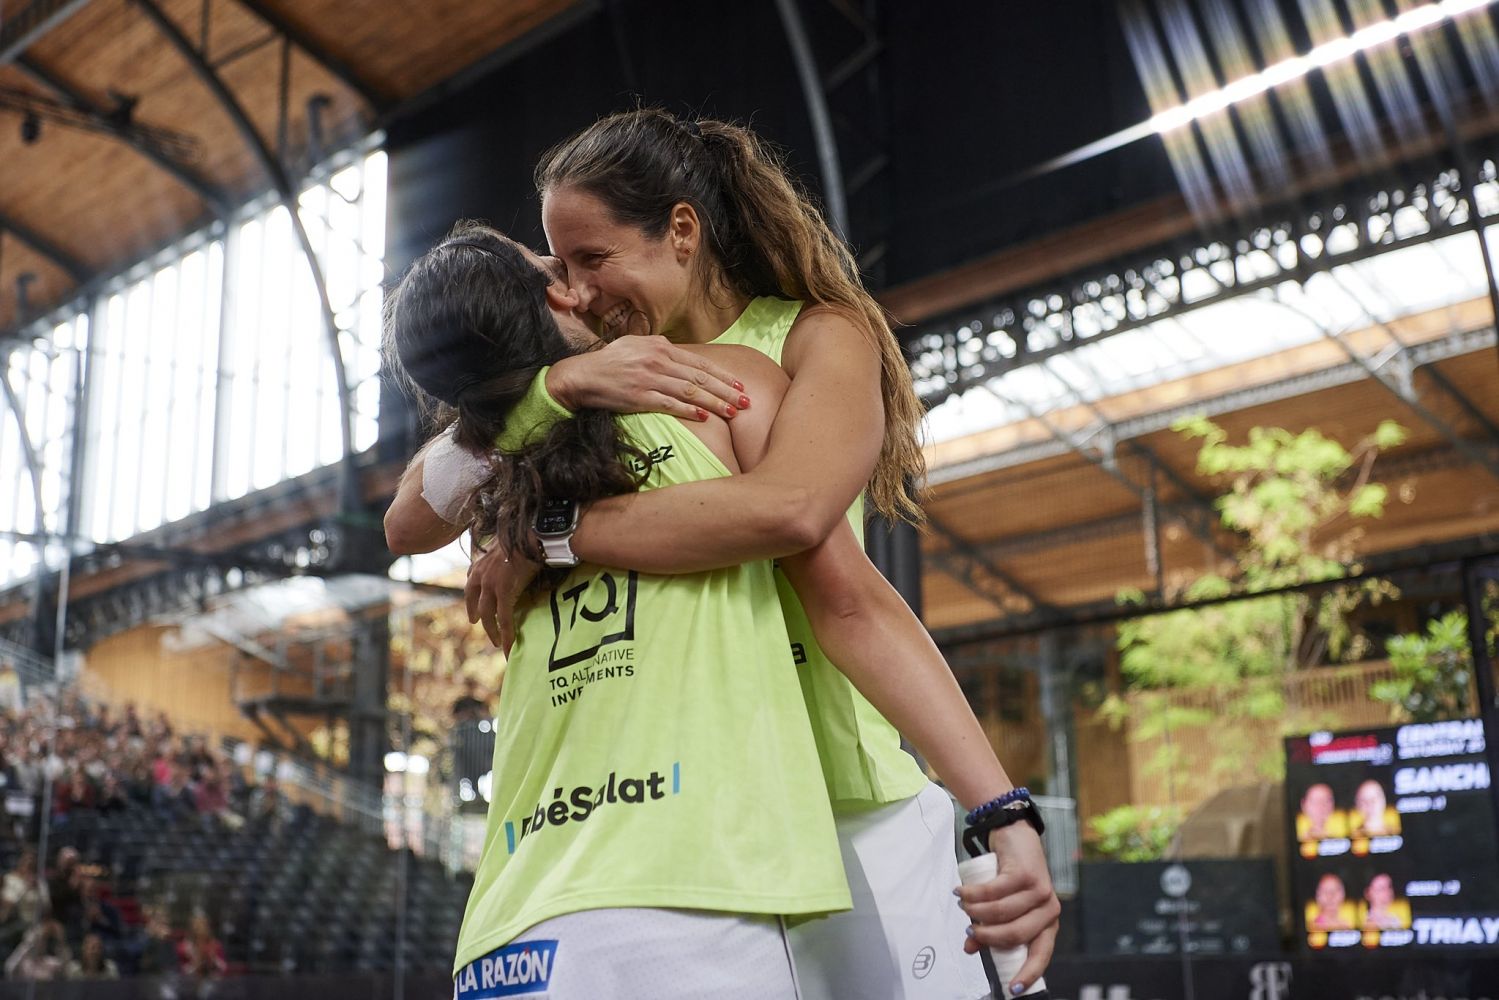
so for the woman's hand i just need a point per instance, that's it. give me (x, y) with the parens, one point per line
(495, 579)
(646, 375)
(1018, 906)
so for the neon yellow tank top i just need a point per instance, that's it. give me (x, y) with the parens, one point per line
(862, 760)
(653, 747)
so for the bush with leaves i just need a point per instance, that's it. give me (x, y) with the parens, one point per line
(1132, 833)
(1433, 671)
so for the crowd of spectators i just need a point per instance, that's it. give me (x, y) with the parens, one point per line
(67, 763)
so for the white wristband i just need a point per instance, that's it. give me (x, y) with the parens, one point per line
(450, 475)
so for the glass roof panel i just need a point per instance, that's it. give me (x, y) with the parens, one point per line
(1385, 287)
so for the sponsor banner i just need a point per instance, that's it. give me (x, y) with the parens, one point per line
(1206, 907)
(519, 969)
(1328, 976)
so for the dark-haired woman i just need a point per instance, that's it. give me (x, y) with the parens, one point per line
(656, 809)
(693, 230)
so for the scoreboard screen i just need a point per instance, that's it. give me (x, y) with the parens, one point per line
(1393, 838)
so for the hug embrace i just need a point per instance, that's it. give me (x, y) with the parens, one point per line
(661, 434)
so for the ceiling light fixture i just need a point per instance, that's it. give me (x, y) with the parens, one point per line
(1338, 50)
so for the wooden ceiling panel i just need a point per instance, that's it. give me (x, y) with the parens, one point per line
(141, 63)
(94, 197)
(91, 195)
(1002, 477)
(949, 603)
(255, 81)
(111, 44)
(16, 258)
(108, 204)
(405, 48)
(1084, 572)
(1065, 492)
(1446, 504)
(1345, 413)
(1476, 376)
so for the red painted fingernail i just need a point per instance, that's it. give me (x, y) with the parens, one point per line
(739, 385)
(744, 402)
(729, 411)
(702, 414)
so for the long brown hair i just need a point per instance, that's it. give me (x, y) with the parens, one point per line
(467, 329)
(764, 232)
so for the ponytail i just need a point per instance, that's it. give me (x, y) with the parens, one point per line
(765, 233)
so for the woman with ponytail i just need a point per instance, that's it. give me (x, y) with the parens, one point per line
(693, 231)
(632, 849)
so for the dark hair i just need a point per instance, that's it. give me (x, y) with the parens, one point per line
(766, 235)
(468, 329)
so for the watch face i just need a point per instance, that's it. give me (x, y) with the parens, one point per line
(556, 517)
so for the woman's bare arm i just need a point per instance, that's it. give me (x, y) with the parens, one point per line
(869, 632)
(867, 629)
(821, 452)
(640, 373)
(411, 525)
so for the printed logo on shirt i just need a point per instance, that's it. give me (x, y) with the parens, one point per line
(577, 804)
(592, 614)
(521, 968)
(656, 456)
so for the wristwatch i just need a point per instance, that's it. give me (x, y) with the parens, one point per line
(976, 837)
(556, 520)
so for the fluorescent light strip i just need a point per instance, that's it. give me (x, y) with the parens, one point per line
(1339, 49)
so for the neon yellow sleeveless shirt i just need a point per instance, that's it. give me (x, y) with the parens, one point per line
(653, 747)
(862, 760)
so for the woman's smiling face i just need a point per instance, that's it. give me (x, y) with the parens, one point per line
(626, 280)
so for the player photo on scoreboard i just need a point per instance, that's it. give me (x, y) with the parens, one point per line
(1394, 837)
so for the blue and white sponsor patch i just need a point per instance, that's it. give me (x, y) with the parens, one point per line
(521, 968)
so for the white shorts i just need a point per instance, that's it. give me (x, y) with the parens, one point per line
(630, 954)
(903, 940)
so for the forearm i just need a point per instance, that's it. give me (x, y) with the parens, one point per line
(873, 637)
(816, 443)
(699, 526)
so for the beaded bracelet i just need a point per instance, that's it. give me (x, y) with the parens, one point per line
(994, 805)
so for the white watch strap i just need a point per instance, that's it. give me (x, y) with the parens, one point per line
(559, 551)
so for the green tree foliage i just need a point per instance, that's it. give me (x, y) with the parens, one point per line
(1297, 503)
(1433, 671)
(1132, 833)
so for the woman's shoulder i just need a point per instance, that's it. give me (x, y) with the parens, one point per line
(747, 364)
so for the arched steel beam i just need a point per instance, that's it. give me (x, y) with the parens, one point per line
(74, 267)
(829, 165)
(25, 26)
(968, 557)
(349, 499)
(210, 192)
(346, 74)
(1379, 371)
(28, 450)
